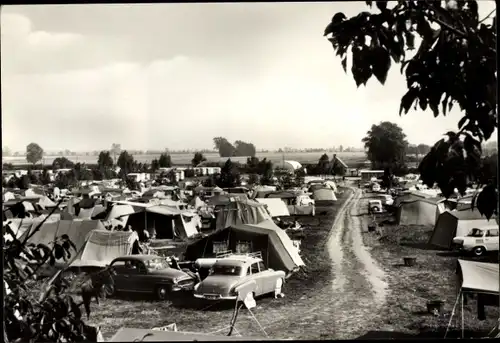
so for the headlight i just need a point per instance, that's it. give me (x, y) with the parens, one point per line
(176, 280)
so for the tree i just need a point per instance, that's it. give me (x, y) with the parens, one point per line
(155, 165)
(454, 64)
(385, 146)
(115, 150)
(105, 160)
(33, 178)
(244, 149)
(266, 169)
(337, 168)
(52, 314)
(423, 149)
(165, 161)
(197, 159)
(229, 175)
(62, 163)
(253, 179)
(125, 162)
(34, 153)
(45, 177)
(23, 182)
(225, 148)
(7, 166)
(6, 151)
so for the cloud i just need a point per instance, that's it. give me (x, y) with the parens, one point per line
(156, 76)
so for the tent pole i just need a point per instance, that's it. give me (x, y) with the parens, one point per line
(453, 312)
(462, 315)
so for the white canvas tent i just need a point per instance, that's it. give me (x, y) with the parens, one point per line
(275, 206)
(103, 246)
(240, 212)
(419, 212)
(477, 278)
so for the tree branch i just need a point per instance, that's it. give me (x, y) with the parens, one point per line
(489, 15)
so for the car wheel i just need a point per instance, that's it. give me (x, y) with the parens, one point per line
(161, 292)
(478, 251)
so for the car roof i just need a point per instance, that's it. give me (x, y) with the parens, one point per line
(136, 258)
(237, 260)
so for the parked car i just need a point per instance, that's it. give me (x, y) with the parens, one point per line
(478, 241)
(150, 274)
(374, 206)
(229, 272)
(386, 199)
(304, 200)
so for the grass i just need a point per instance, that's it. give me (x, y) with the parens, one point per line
(280, 318)
(433, 278)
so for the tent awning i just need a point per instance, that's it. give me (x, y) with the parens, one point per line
(479, 277)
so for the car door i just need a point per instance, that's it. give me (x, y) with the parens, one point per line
(257, 277)
(131, 275)
(268, 281)
(121, 275)
(491, 239)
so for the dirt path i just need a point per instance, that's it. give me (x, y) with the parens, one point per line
(358, 280)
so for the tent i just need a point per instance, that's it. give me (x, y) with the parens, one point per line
(276, 247)
(451, 224)
(419, 212)
(45, 202)
(478, 278)
(324, 195)
(240, 212)
(102, 247)
(223, 199)
(91, 213)
(120, 213)
(77, 230)
(330, 184)
(165, 222)
(197, 203)
(275, 207)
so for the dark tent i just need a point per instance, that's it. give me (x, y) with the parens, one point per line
(276, 247)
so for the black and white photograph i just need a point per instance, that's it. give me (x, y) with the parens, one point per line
(212, 171)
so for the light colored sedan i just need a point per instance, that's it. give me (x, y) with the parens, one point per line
(230, 272)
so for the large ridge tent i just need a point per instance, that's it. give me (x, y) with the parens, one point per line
(291, 200)
(240, 212)
(275, 207)
(419, 212)
(119, 214)
(478, 278)
(451, 224)
(223, 199)
(324, 195)
(165, 222)
(276, 247)
(104, 246)
(91, 213)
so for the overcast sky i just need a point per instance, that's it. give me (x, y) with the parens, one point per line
(81, 77)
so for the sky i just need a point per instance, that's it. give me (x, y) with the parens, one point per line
(155, 76)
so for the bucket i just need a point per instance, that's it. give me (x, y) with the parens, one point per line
(409, 261)
(435, 307)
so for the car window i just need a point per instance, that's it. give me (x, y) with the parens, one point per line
(493, 233)
(262, 266)
(249, 271)
(226, 270)
(118, 264)
(255, 268)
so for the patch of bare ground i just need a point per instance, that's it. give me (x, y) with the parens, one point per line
(432, 278)
(303, 313)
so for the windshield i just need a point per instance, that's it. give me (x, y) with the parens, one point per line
(475, 233)
(226, 270)
(156, 264)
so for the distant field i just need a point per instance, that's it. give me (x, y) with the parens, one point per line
(185, 159)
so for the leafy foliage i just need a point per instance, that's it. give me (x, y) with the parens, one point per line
(229, 175)
(240, 148)
(197, 159)
(453, 64)
(105, 160)
(62, 162)
(54, 315)
(165, 161)
(34, 153)
(125, 162)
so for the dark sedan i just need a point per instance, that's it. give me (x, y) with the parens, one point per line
(150, 274)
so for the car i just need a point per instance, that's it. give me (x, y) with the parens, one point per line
(149, 274)
(304, 200)
(478, 241)
(374, 206)
(229, 272)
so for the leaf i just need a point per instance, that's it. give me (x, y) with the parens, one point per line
(381, 63)
(487, 201)
(410, 40)
(369, 3)
(408, 99)
(462, 122)
(422, 101)
(382, 5)
(344, 64)
(444, 103)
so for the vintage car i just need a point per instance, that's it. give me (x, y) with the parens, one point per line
(229, 272)
(374, 206)
(150, 274)
(478, 241)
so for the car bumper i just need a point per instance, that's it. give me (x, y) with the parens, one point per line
(215, 297)
(181, 288)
